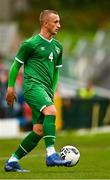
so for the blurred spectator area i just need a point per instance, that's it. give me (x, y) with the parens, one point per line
(89, 60)
(9, 40)
(8, 8)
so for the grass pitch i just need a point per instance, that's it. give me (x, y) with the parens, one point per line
(94, 162)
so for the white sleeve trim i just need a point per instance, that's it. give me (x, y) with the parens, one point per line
(42, 108)
(59, 65)
(19, 60)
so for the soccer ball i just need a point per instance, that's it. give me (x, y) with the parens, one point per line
(70, 153)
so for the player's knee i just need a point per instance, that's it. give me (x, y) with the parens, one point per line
(49, 110)
(38, 129)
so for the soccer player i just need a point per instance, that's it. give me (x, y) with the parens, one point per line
(41, 56)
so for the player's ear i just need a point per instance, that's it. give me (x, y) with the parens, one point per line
(46, 23)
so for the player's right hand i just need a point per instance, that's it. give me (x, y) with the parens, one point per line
(10, 96)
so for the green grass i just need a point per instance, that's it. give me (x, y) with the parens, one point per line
(94, 162)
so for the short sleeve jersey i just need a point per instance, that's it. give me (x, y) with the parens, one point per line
(40, 58)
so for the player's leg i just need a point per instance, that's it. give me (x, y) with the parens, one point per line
(33, 138)
(43, 101)
(28, 143)
(49, 128)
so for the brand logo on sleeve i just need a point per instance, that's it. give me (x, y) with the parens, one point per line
(42, 48)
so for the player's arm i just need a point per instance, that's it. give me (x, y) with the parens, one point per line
(56, 72)
(55, 79)
(10, 95)
(22, 55)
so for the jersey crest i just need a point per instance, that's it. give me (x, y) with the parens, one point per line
(57, 50)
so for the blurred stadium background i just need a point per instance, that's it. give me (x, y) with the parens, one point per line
(83, 94)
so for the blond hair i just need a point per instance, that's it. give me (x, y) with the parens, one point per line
(44, 15)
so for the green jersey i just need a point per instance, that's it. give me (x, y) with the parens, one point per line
(40, 58)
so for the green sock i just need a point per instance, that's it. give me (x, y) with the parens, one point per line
(27, 145)
(49, 130)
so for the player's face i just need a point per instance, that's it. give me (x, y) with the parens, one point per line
(53, 24)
